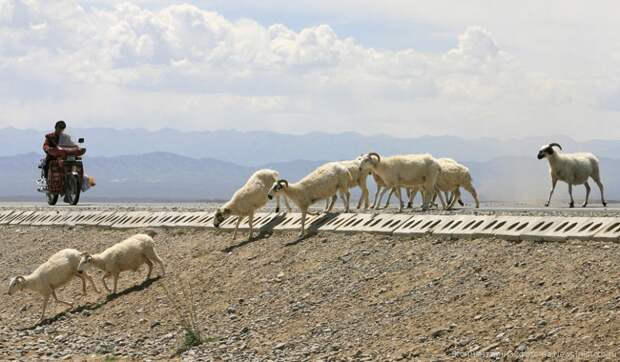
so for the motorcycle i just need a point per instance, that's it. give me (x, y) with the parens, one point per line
(65, 174)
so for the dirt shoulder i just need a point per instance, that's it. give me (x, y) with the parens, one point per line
(328, 297)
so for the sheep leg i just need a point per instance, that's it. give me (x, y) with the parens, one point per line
(332, 203)
(588, 188)
(115, 282)
(328, 202)
(149, 264)
(600, 187)
(383, 192)
(554, 182)
(151, 254)
(103, 278)
(237, 227)
(288, 206)
(400, 199)
(277, 203)
(345, 196)
(303, 223)
(455, 196)
(83, 284)
(45, 300)
(444, 205)
(570, 193)
(92, 282)
(387, 202)
(61, 301)
(412, 195)
(374, 204)
(251, 222)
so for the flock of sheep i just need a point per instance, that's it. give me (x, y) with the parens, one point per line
(417, 173)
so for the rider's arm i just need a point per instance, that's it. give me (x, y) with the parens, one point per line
(46, 144)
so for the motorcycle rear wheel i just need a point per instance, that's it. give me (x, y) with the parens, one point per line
(72, 190)
(52, 199)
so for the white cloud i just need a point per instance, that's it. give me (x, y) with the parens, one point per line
(128, 64)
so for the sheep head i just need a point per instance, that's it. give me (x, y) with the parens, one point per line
(369, 161)
(16, 284)
(278, 187)
(220, 215)
(85, 262)
(548, 150)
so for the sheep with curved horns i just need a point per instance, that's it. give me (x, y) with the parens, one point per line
(57, 271)
(405, 170)
(324, 182)
(249, 198)
(572, 168)
(129, 254)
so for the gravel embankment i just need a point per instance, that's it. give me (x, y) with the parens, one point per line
(329, 297)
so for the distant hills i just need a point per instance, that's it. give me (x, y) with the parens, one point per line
(161, 176)
(260, 148)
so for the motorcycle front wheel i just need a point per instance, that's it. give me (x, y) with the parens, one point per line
(72, 190)
(52, 199)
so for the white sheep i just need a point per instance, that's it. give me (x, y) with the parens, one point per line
(57, 271)
(249, 198)
(358, 179)
(404, 170)
(572, 168)
(128, 254)
(453, 176)
(324, 182)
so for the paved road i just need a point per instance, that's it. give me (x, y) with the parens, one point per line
(489, 208)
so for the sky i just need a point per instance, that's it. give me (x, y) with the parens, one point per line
(468, 68)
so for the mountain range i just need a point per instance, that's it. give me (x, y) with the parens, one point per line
(260, 148)
(161, 176)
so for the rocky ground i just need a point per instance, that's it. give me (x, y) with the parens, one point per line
(328, 297)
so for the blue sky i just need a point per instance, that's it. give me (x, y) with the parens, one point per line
(404, 67)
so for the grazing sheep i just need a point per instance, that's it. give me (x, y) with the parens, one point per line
(572, 168)
(405, 170)
(249, 198)
(128, 254)
(57, 271)
(324, 182)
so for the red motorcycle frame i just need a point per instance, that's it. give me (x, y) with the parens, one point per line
(65, 174)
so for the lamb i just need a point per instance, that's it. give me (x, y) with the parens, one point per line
(57, 271)
(572, 168)
(404, 170)
(249, 198)
(128, 254)
(324, 182)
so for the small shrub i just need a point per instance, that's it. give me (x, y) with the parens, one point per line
(186, 314)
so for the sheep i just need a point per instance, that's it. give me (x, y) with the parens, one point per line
(453, 176)
(324, 182)
(249, 198)
(357, 179)
(572, 168)
(404, 170)
(128, 254)
(57, 271)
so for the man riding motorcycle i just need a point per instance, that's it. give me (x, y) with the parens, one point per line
(52, 140)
